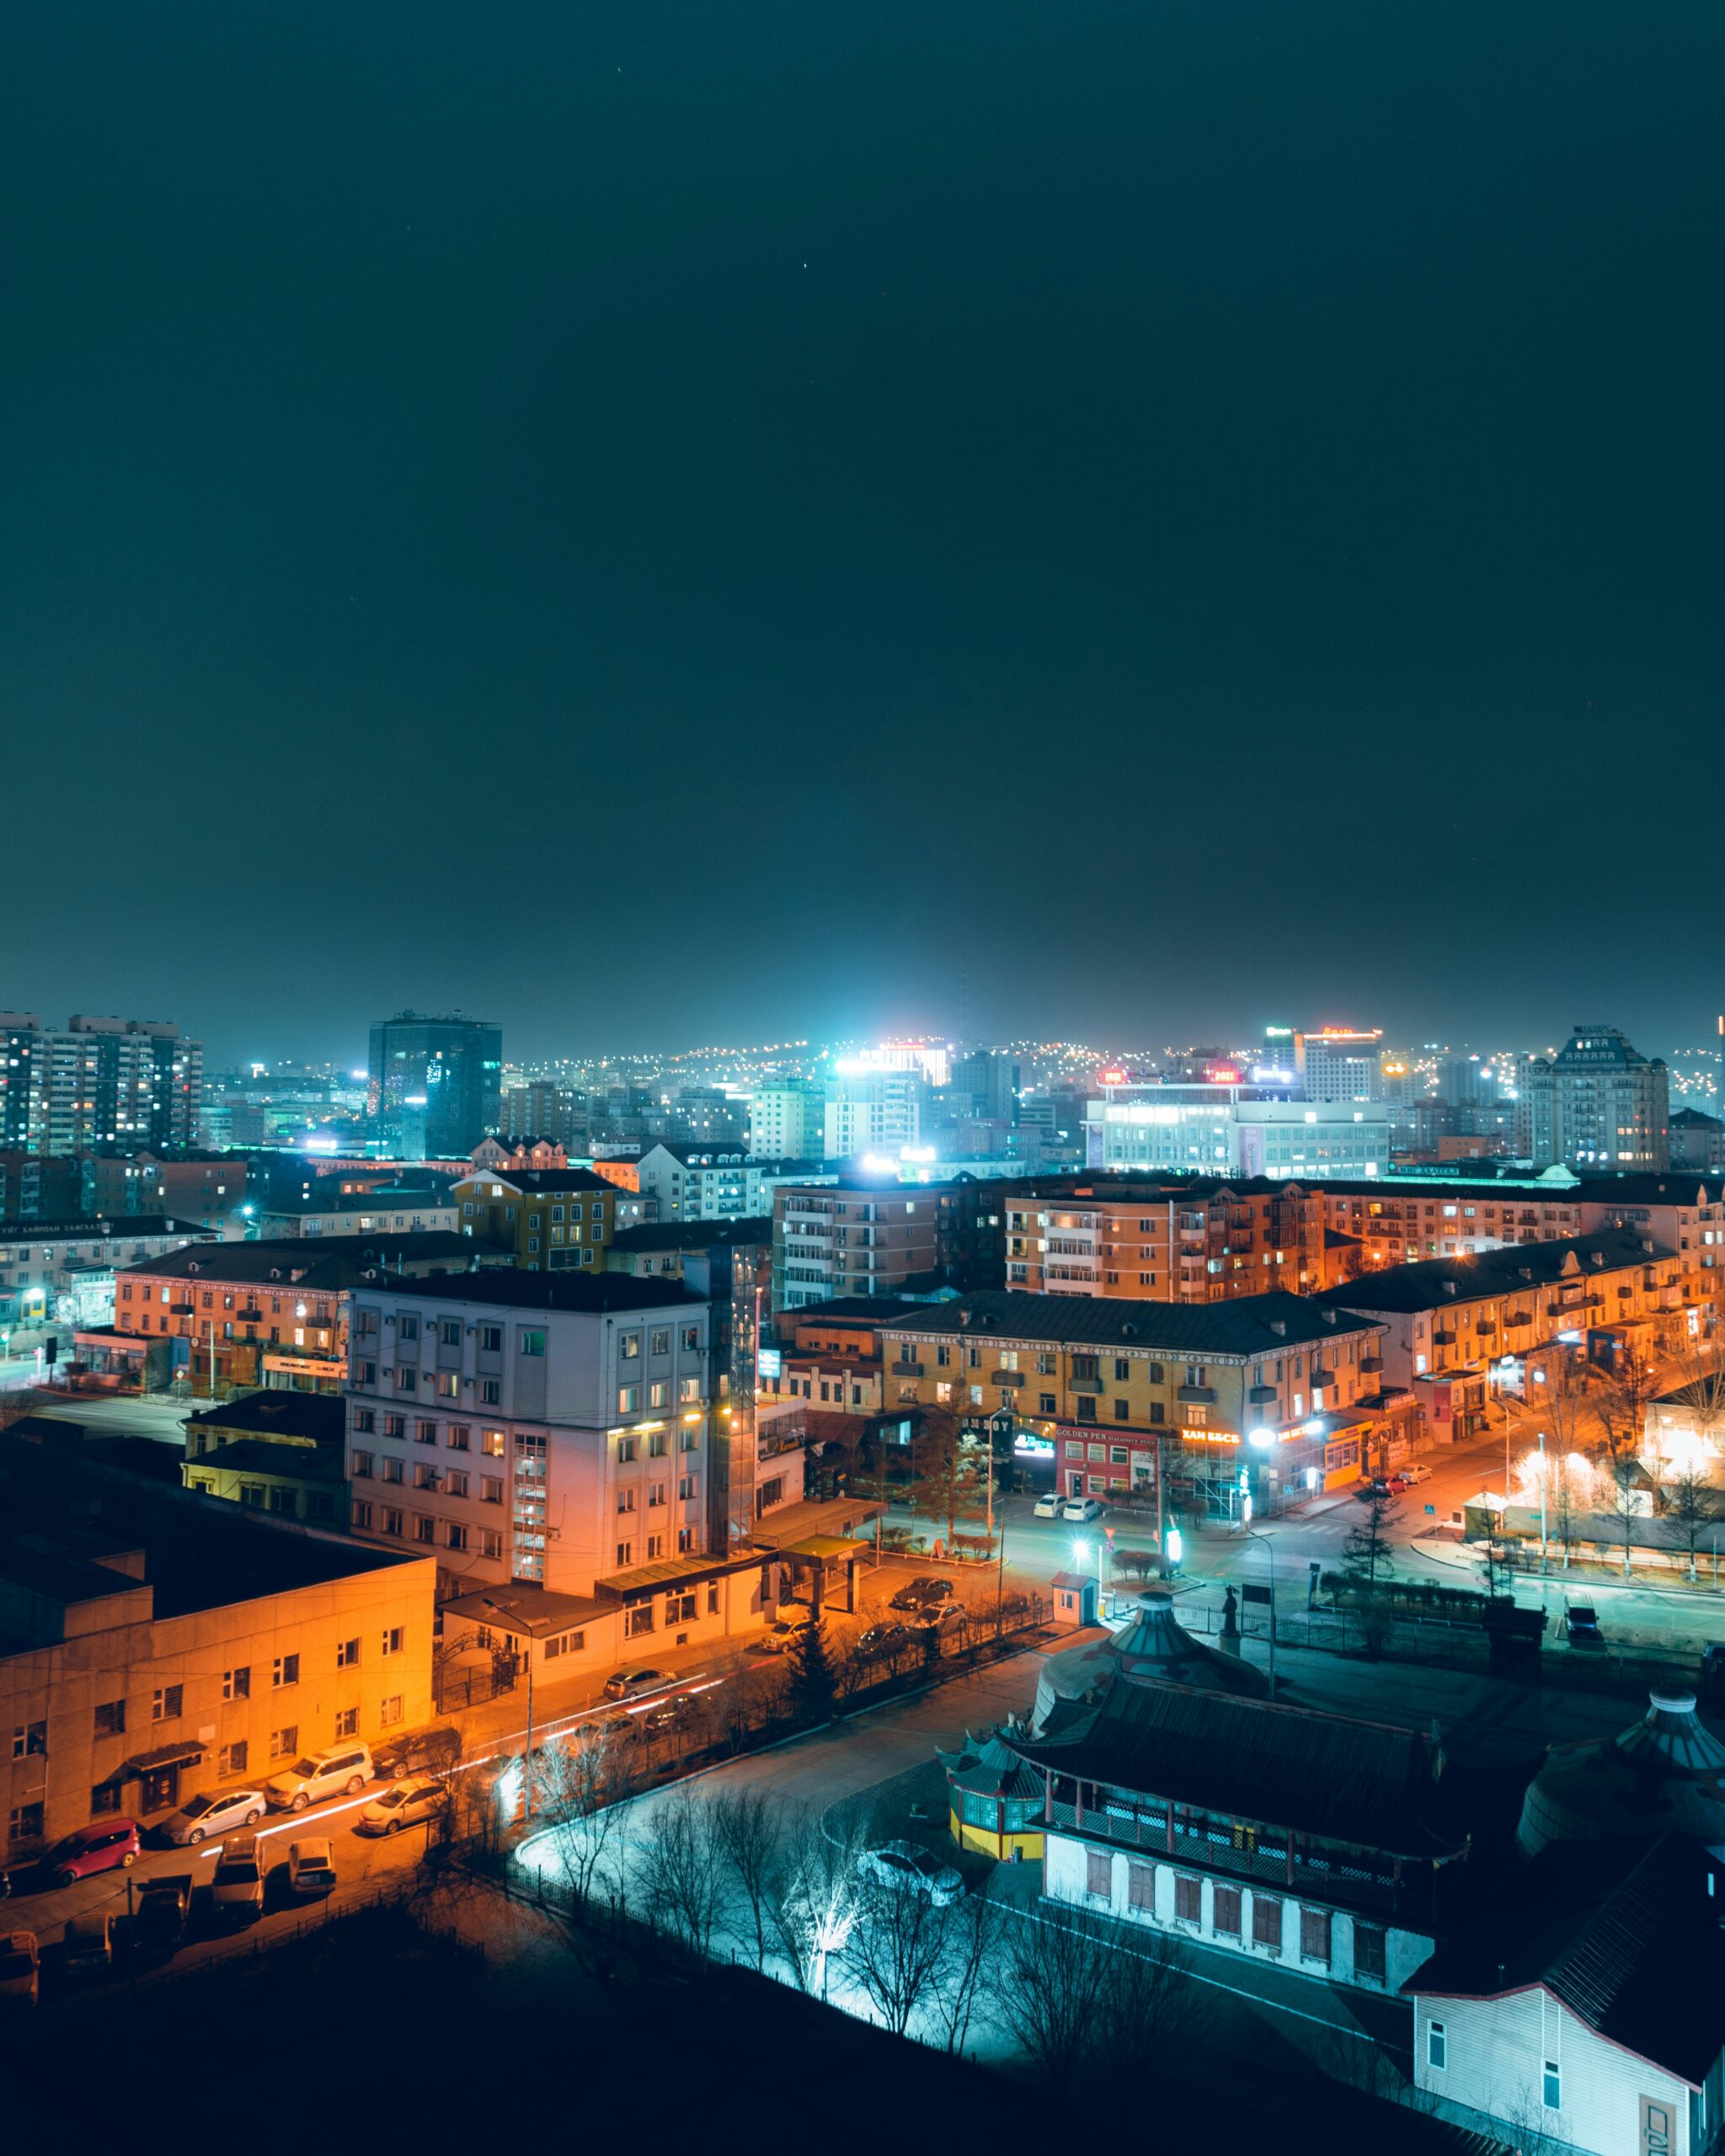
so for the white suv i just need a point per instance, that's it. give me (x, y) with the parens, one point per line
(341, 1771)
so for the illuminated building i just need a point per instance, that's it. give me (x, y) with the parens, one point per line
(786, 1123)
(1186, 1240)
(1449, 1320)
(870, 1111)
(157, 1641)
(1598, 1104)
(229, 1315)
(554, 1219)
(530, 1427)
(103, 1081)
(1168, 1793)
(851, 1238)
(1340, 1063)
(1225, 1130)
(433, 1085)
(1273, 1383)
(66, 1268)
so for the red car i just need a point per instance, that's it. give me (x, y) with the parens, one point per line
(101, 1846)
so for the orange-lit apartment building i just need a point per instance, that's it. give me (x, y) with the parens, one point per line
(225, 1317)
(1403, 1220)
(1188, 1241)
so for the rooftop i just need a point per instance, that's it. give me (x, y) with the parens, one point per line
(316, 1418)
(265, 1456)
(324, 1267)
(692, 1234)
(119, 1228)
(1635, 1952)
(513, 1290)
(59, 1508)
(1439, 1282)
(1249, 1325)
(541, 1183)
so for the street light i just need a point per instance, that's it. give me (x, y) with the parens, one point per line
(1254, 1535)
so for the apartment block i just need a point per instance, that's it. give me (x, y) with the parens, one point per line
(1193, 1240)
(1598, 1103)
(549, 1429)
(223, 1317)
(1227, 1129)
(851, 1238)
(157, 1640)
(1274, 1384)
(552, 1219)
(1447, 1321)
(101, 1081)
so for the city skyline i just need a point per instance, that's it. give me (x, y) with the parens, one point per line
(1283, 514)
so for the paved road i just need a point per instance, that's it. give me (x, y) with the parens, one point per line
(118, 1415)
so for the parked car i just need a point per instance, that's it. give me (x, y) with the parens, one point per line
(1581, 1622)
(237, 1888)
(902, 1866)
(919, 1593)
(1082, 1508)
(423, 1752)
(880, 1641)
(1376, 1487)
(1396, 1481)
(101, 1846)
(1415, 1471)
(1047, 1505)
(87, 1944)
(208, 1813)
(310, 1868)
(159, 1922)
(410, 1803)
(20, 1969)
(665, 1717)
(339, 1769)
(780, 1637)
(631, 1683)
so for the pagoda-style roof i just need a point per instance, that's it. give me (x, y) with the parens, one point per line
(988, 1767)
(1357, 1782)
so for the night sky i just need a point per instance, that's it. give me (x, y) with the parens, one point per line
(664, 523)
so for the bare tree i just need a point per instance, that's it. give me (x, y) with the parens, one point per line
(1688, 1503)
(1053, 1981)
(1626, 1502)
(581, 1782)
(1140, 1565)
(1623, 1411)
(897, 1949)
(748, 1828)
(973, 1931)
(679, 1869)
(1148, 2005)
(814, 1909)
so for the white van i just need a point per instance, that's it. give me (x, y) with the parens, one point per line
(340, 1770)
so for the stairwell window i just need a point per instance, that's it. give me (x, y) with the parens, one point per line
(1437, 2046)
(1552, 2086)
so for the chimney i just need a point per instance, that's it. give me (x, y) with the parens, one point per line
(1280, 1325)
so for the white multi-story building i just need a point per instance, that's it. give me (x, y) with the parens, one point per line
(1340, 1063)
(547, 1428)
(1234, 1131)
(786, 1123)
(871, 1112)
(695, 1183)
(64, 1270)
